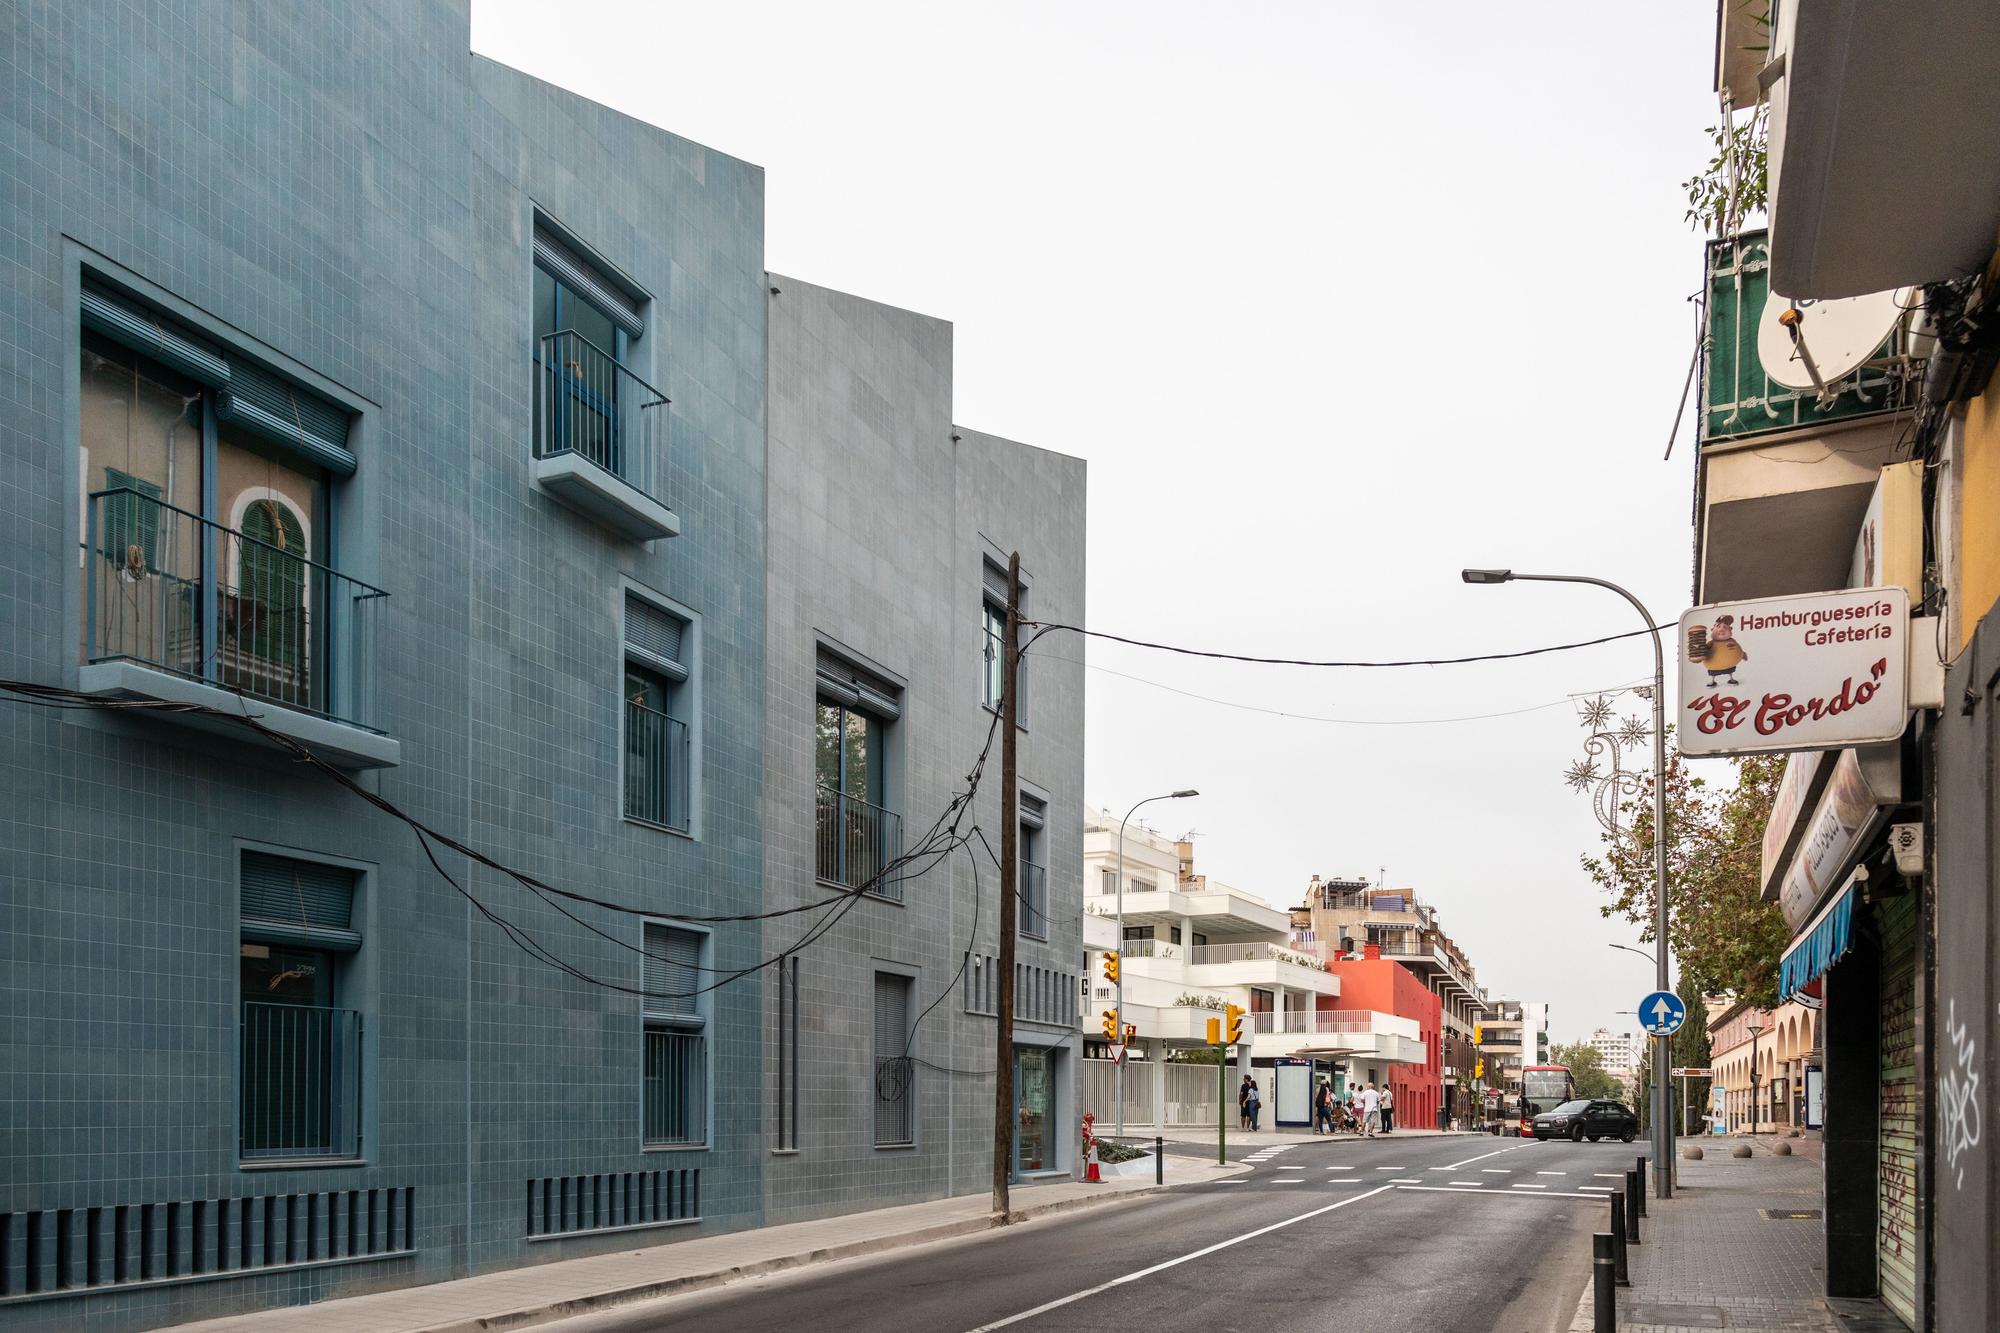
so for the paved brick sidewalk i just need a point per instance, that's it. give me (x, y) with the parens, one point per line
(529, 1295)
(1711, 1258)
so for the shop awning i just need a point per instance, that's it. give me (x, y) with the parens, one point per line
(1820, 945)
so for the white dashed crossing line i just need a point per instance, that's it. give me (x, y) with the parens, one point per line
(1559, 1173)
(1503, 1170)
(1474, 1183)
(1598, 1189)
(1411, 1180)
(1529, 1187)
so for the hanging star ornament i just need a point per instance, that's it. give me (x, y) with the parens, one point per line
(1596, 713)
(1580, 774)
(1633, 733)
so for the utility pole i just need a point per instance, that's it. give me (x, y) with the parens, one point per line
(1010, 852)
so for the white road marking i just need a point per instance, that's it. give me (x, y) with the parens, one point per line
(1599, 1189)
(1409, 1181)
(1551, 1173)
(1528, 1187)
(1290, 1180)
(1058, 1303)
(1476, 1184)
(1612, 1175)
(1400, 1168)
(1498, 1170)
(1447, 1189)
(1482, 1157)
(1238, 1181)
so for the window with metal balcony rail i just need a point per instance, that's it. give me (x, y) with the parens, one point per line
(301, 1082)
(601, 436)
(1034, 900)
(243, 610)
(857, 842)
(656, 767)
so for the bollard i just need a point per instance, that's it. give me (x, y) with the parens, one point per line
(1631, 1208)
(1160, 1152)
(1641, 1195)
(1603, 1279)
(1618, 1239)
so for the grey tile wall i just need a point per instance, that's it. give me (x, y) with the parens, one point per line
(881, 512)
(346, 189)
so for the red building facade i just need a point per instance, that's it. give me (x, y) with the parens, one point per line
(1390, 988)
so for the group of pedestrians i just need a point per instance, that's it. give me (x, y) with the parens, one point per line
(1365, 1110)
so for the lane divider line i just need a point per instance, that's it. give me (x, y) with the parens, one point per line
(1447, 1189)
(1497, 1170)
(1476, 1184)
(1528, 1187)
(1483, 1156)
(1412, 1180)
(1551, 1173)
(1058, 1303)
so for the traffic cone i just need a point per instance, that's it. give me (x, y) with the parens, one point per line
(1090, 1171)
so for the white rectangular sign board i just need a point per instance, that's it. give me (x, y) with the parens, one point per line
(1821, 671)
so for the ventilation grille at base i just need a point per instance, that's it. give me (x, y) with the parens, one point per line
(615, 1201)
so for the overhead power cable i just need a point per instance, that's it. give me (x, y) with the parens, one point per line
(1047, 626)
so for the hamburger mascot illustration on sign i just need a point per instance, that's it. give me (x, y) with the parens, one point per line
(1716, 649)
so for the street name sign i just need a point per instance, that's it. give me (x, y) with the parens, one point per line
(1662, 1013)
(1819, 672)
(1694, 1073)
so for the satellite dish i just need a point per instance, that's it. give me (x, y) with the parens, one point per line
(1815, 344)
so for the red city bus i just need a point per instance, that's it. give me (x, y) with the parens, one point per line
(1543, 1088)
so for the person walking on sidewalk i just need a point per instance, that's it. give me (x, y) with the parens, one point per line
(1388, 1109)
(1256, 1105)
(1243, 1095)
(1323, 1107)
(1371, 1110)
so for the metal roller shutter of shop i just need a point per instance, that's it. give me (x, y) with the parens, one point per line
(1896, 1149)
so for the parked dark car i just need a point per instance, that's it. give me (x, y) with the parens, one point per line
(1580, 1120)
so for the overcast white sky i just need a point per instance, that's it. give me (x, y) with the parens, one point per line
(1335, 299)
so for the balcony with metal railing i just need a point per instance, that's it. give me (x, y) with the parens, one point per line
(300, 1085)
(1209, 955)
(180, 609)
(601, 433)
(857, 844)
(656, 767)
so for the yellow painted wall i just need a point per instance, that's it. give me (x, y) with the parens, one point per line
(1979, 514)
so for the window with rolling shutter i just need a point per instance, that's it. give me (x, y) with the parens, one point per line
(894, 1071)
(657, 635)
(674, 1008)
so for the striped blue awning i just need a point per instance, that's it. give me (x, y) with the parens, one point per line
(1819, 946)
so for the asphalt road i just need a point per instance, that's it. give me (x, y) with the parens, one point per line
(1462, 1233)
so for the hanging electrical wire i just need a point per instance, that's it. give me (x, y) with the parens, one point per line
(1046, 626)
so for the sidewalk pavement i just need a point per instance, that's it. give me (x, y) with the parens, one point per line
(1716, 1256)
(537, 1293)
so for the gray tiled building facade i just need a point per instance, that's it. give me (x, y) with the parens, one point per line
(419, 408)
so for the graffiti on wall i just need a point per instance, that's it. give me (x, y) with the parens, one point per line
(1959, 1103)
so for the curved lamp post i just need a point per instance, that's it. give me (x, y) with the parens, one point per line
(1663, 1155)
(1118, 1073)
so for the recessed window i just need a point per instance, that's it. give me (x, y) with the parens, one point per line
(659, 760)
(676, 1056)
(1033, 907)
(210, 489)
(299, 1073)
(993, 640)
(858, 835)
(895, 1120)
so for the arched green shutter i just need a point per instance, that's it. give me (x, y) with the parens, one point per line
(271, 589)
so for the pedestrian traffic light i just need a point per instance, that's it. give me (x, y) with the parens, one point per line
(1215, 1032)
(1131, 1033)
(1111, 1025)
(1111, 966)
(1233, 1021)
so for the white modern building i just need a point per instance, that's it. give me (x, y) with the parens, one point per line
(1191, 947)
(1618, 1051)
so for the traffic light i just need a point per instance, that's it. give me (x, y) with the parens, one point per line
(1131, 1033)
(1478, 1034)
(1111, 966)
(1111, 1025)
(1215, 1032)
(1232, 1019)
(1479, 1069)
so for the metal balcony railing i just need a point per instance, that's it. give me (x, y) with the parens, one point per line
(1149, 949)
(1322, 1021)
(656, 767)
(1203, 954)
(172, 590)
(857, 842)
(1034, 904)
(301, 1082)
(587, 404)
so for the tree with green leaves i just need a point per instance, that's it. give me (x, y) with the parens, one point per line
(1587, 1071)
(1723, 934)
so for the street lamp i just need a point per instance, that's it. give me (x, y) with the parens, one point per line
(1663, 1154)
(1641, 952)
(1118, 1005)
(1755, 1028)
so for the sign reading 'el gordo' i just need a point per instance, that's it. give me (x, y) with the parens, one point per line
(1818, 672)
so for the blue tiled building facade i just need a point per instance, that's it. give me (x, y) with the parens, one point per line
(415, 411)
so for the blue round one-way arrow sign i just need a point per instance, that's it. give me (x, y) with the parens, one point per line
(1662, 1013)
